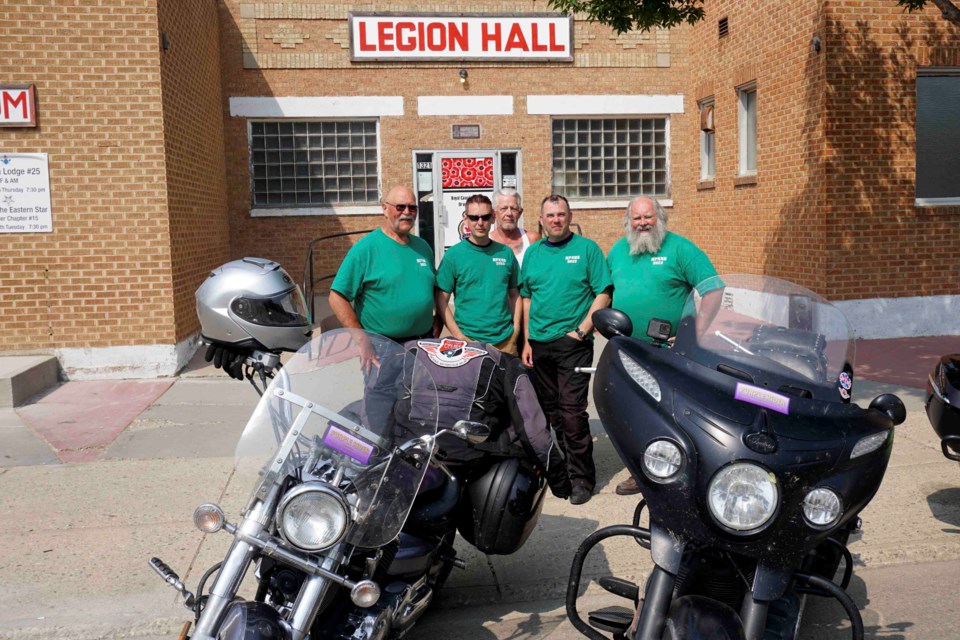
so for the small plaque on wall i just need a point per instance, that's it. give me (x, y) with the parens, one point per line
(466, 131)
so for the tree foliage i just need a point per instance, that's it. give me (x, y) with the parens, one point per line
(950, 10)
(626, 15)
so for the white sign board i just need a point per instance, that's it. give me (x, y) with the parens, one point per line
(17, 105)
(24, 193)
(460, 37)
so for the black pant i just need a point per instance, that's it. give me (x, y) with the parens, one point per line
(563, 396)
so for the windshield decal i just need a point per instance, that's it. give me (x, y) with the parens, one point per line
(762, 398)
(450, 353)
(348, 444)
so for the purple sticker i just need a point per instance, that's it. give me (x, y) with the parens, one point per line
(347, 443)
(845, 380)
(762, 398)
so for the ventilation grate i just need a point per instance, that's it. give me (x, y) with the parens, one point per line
(723, 27)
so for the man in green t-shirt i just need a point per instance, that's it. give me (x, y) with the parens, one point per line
(482, 275)
(385, 283)
(564, 279)
(653, 272)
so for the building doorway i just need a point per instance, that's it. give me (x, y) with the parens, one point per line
(445, 179)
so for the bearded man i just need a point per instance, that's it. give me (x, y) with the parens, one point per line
(653, 272)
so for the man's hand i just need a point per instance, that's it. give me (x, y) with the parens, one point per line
(230, 359)
(527, 355)
(368, 355)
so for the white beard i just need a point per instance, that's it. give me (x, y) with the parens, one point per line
(651, 242)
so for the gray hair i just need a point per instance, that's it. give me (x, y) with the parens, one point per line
(662, 215)
(506, 193)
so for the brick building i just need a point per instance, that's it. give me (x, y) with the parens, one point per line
(183, 134)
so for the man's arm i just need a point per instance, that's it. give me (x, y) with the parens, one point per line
(602, 301)
(709, 306)
(445, 313)
(343, 309)
(516, 309)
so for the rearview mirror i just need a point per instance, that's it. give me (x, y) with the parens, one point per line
(892, 406)
(612, 322)
(472, 432)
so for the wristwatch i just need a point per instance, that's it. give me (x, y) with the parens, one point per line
(580, 333)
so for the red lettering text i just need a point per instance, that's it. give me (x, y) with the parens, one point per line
(385, 33)
(554, 45)
(436, 37)
(365, 45)
(516, 40)
(534, 38)
(458, 37)
(486, 37)
(406, 43)
(12, 101)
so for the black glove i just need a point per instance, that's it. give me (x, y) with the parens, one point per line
(230, 359)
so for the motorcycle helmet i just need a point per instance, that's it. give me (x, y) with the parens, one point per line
(943, 403)
(500, 509)
(252, 303)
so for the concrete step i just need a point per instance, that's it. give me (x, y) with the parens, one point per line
(24, 376)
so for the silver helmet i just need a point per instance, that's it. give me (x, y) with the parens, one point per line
(252, 303)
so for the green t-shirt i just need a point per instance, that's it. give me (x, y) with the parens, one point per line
(656, 285)
(390, 284)
(480, 278)
(561, 283)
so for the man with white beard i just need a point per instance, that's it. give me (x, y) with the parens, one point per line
(653, 272)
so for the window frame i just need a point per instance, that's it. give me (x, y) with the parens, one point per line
(747, 121)
(606, 201)
(708, 142)
(307, 209)
(929, 72)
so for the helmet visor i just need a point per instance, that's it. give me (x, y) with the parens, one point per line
(286, 309)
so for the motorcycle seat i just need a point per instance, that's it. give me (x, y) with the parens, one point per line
(435, 508)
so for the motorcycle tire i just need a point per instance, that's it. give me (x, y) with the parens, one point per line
(701, 618)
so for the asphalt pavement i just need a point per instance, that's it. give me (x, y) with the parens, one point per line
(97, 476)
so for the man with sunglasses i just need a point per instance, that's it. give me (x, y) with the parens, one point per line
(385, 284)
(482, 275)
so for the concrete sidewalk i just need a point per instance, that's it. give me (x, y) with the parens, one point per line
(97, 477)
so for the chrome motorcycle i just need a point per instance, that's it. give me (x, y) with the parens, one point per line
(335, 478)
(753, 463)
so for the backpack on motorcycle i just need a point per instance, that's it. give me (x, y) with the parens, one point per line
(943, 404)
(500, 509)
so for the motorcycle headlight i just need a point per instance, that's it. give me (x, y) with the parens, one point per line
(312, 517)
(640, 375)
(662, 459)
(743, 496)
(822, 507)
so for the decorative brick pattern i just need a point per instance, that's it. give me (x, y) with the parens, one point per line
(288, 36)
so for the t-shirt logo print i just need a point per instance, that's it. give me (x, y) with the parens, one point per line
(449, 352)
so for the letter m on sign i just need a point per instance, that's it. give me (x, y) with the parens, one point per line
(17, 105)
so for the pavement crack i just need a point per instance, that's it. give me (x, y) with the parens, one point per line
(496, 580)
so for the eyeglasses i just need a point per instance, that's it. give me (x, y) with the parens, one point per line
(402, 207)
(485, 217)
(506, 209)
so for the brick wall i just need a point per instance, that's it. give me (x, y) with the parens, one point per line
(833, 204)
(193, 143)
(255, 34)
(875, 228)
(102, 277)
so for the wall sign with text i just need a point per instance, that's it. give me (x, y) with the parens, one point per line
(18, 105)
(457, 37)
(24, 193)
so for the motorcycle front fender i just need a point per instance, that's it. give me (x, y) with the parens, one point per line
(701, 618)
(251, 621)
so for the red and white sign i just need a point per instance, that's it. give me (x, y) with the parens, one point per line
(459, 37)
(17, 106)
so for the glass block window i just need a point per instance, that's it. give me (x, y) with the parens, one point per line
(610, 158)
(313, 163)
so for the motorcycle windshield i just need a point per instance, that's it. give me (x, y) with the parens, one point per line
(329, 413)
(779, 337)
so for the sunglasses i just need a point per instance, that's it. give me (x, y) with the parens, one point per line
(412, 208)
(485, 218)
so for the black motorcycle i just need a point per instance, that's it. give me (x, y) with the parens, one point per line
(943, 404)
(752, 462)
(349, 530)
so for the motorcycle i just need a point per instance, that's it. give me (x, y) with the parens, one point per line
(753, 463)
(351, 522)
(943, 404)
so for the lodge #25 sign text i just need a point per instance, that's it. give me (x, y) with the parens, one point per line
(459, 37)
